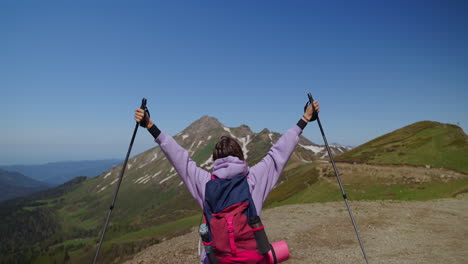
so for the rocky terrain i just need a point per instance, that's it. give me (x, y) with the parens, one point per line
(393, 232)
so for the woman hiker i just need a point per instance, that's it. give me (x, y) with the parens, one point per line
(229, 161)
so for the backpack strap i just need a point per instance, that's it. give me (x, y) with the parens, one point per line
(275, 260)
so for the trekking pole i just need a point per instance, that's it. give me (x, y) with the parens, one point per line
(143, 106)
(311, 100)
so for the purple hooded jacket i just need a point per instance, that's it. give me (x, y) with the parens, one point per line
(261, 178)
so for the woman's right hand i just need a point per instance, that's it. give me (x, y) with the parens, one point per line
(140, 114)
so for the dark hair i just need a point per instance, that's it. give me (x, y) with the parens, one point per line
(227, 146)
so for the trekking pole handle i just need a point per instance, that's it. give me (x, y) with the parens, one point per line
(145, 110)
(311, 100)
(143, 103)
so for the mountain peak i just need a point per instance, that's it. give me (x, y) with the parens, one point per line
(208, 118)
(203, 125)
(245, 129)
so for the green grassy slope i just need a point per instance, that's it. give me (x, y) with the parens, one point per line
(422, 143)
(303, 185)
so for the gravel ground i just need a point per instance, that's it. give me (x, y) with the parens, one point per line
(392, 232)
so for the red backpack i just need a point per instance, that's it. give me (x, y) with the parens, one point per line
(228, 206)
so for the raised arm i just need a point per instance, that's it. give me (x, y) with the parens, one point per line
(194, 177)
(266, 173)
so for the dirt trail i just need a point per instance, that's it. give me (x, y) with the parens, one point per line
(393, 232)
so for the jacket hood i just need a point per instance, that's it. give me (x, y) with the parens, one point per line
(229, 167)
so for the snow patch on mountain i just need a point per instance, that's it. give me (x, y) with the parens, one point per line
(114, 181)
(199, 143)
(102, 189)
(271, 136)
(185, 136)
(156, 174)
(245, 141)
(338, 146)
(105, 187)
(155, 156)
(315, 149)
(190, 149)
(147, 180)
(107, 175)
(191, 146)
(141, 179)
(227, 129)
(167, 178)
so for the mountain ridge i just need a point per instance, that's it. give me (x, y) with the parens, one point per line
(421, 143)
(56, 173)
(15, 184)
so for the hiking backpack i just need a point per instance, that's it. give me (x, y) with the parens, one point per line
(228, 206)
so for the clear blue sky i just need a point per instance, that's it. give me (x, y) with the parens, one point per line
(72, 72)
